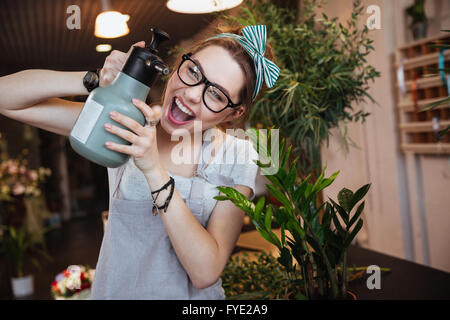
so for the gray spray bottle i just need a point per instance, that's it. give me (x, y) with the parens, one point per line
(141, 70)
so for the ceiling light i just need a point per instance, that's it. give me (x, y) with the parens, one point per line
(111, 24)
(201, 6)
(103, 48)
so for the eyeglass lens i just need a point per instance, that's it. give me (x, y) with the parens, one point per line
(213, 97)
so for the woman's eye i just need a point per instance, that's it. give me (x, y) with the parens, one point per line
(216, 95)
(193, 71)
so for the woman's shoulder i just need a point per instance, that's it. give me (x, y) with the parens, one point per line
(238, 150)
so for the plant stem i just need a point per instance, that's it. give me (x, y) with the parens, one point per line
(333, 281)
(320, 283)
(344, 275)
(305, 278)
(334, 285)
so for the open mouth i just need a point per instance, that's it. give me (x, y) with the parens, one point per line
(179, 113)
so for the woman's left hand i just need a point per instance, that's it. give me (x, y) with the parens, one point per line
(143, 148)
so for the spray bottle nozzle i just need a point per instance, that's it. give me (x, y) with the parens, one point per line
(158, 37)
(158, 66)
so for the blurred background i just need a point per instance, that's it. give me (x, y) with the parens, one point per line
(395, 148)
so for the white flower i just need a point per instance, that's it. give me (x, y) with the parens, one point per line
(73, 282)
(62, 287)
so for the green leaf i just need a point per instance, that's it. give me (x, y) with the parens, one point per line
(356, 215)
(263, 232)
(12, 232)
(285, 258)
(301, 190)
(341, 211)
(221, 198)
(294, 227)
(338, 226)
(274, 179)
(352, 235)
(268, 218)
(285, 157)
(259, 207)
(359, 194)
(327, 215)
(328, 181)
(279, 196)
(344, 198)
(290, 179)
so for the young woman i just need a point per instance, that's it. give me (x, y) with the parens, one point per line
(179, 253)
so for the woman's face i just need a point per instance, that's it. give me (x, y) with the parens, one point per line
(219, 68)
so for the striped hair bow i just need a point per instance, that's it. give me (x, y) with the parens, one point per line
(254, 42)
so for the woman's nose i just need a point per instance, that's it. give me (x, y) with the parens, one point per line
(194, 94)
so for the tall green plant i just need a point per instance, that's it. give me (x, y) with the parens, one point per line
(323, 73)
(20, 245)
(318, 246)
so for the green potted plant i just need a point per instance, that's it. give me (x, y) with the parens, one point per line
(320, 232)
(324, 73)
(21, 245)
(419, 20)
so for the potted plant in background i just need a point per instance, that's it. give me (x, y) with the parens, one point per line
(419, 23)
(323, 72)
(21, 245)
(320, 233)
(19, 184)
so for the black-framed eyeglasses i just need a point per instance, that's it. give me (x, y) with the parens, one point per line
(214, 98)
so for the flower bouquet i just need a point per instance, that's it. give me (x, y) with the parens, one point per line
(74, 283)
(16, 179)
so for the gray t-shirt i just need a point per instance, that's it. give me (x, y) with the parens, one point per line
(233, 165)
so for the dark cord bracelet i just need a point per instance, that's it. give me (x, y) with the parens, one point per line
(164, 207)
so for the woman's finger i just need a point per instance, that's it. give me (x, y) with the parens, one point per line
(120, 148)
(137, 44)
(122, 133)
(149, 113)
(127, 122)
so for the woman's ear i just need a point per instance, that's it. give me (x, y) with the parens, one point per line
(236, 113)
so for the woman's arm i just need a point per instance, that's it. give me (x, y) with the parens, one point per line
(202, 252)
(29, 96)
(26, 88)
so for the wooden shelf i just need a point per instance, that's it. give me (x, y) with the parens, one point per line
(408, 106)
(426, 41)
(427, 148)
(415, 127)
(423, 126)
(424, 83)
(425, 60)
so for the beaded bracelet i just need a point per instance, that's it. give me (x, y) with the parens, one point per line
(156, 208)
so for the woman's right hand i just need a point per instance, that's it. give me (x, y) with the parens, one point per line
(114, 63)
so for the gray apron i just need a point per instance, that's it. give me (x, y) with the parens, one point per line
(137, 260)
